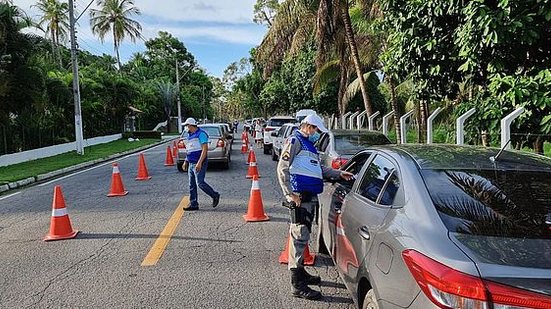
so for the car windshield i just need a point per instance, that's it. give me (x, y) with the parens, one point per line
(212, 131)
(280, 122)
(502, 203)
(350, 144)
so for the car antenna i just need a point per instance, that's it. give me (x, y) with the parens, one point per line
(494, 159)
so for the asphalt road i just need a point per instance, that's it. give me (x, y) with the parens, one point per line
(213, 260)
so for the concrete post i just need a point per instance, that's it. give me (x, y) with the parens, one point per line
(343, 120)
(429, 124)
(506, 127)
(385, 122)
(360, 119)
(351, 120)
(403, 129)
(459, 123)
(371, 119)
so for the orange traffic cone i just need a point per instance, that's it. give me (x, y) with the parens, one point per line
(244, 146)
(60, 225)
(174, 150)
(142, 169)
(255, 211)
(169, 161)
(249, 157)
(117, 187)
(309, 259)
(253, 170)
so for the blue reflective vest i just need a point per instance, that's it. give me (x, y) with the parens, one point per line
(193, 146)
(305, 170)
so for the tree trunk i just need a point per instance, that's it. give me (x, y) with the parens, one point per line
(58, 51)
(423, 116)
(355, 57)
(342, 84)
(538, 145)
(394, 103)
(116, 44)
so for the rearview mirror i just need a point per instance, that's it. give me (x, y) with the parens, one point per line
(229, 136)
(274, 134)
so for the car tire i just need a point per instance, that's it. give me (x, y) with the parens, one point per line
(226, 165)
(182, 167)
(369, 300)
(274, 156)
(266, 149)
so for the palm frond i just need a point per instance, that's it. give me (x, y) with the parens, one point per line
(328, 73)
(354, 88)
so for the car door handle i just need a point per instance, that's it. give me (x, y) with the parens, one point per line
(364, 232)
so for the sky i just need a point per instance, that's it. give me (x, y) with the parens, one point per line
(216, 32)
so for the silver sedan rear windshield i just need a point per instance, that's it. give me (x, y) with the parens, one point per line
(212, 131)
(502, 203)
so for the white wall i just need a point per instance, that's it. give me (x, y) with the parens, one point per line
(49, 151)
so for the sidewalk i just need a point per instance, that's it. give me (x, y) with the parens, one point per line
(39, 178)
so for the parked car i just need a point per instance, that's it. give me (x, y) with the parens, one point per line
(441, 226)
(274, 124)
(337, 146)
(226, 128)
(219, 148)
(279, 137)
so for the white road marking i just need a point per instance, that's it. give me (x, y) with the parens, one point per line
(9, 195)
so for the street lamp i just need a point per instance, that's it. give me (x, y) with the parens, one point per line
(191, 67)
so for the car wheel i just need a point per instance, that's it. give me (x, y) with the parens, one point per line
(226, 165)
(266, 149)
(274, 156)
(369, 301)
(182, 167)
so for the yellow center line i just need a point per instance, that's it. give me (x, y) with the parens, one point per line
(164, 238)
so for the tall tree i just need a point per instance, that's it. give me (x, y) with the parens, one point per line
(115, 16)
(55, 18)
(264, 11)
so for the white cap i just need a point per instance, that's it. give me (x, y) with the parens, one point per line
(190, 121)
(315, 120)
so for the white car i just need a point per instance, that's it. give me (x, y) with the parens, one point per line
(273, 125)
(279, 137)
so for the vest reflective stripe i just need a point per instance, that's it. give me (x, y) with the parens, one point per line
(305, 170)
(193, 146)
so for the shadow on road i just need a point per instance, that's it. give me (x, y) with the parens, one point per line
(337, 299)
(331, 284)
(124, 236)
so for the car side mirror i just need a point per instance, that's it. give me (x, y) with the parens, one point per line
(274, 134)
(229, 136)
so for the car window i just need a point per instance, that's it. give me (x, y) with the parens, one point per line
(289, 131)
(374, 178)
(347, 143)
(390, 190)
(502, 203)
(212, 131)
(281, 131)
(321, 144)
(279, 122)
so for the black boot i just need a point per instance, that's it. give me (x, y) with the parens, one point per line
(300, 287)
(310, 279)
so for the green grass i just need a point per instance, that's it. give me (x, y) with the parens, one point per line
(41, 166)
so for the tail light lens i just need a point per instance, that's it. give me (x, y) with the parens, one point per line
(338, 162)
(449, 288)
(220, 143)
(268, 129)
(181, 144)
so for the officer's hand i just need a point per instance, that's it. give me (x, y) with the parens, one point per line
(198, 166)
(294, 198)
(347, 175)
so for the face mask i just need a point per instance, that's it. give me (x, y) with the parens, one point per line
(314, 137)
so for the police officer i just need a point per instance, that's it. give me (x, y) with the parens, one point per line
(197, 149)
(300, 176)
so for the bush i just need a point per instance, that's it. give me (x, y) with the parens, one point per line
(142, 134)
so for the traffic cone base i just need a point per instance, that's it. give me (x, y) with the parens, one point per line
(117, 187)
(255, 210)
(309, 259)
(143, 174)
(169, 160)
(60, 224)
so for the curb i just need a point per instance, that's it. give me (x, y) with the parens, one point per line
(39, 178)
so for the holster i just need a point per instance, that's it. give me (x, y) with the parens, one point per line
(299, 215)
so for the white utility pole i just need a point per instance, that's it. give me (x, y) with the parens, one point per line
(178, 99)
(76, 86)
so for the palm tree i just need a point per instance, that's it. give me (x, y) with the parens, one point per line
(56, 18)
(114, 16)
(167, 92)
